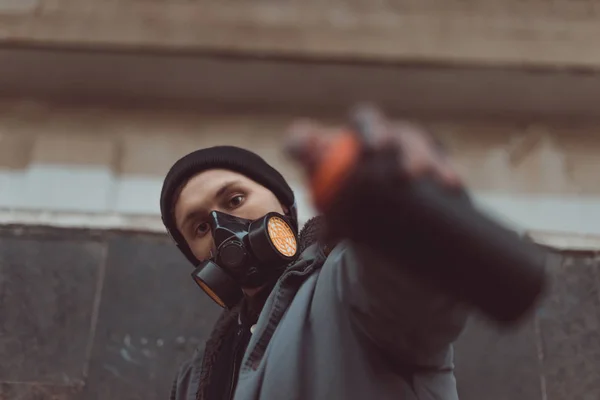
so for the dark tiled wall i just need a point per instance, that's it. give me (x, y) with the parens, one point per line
(110, 316)
(87, 316)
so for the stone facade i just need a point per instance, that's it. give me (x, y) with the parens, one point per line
(109, 316)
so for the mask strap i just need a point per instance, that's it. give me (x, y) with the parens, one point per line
(293, 215)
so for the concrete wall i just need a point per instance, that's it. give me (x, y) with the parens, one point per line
(535, 157)
(109, 163)
(532, 32)
(101, 314)
(261, 84)
(95, 316)
(98, 315)
(109, 315)
(554, 356)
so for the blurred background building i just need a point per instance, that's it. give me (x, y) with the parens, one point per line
(99, 98)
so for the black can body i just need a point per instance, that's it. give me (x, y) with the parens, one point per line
(439, 236)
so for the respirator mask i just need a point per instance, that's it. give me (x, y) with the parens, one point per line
(247, 254)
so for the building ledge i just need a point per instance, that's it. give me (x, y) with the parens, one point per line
(15, 219)
(257, 84)
(512, 32)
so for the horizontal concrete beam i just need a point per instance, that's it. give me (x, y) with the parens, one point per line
(534, 32)
(493, 156)
(562, 241)
(273, 85)
(94, 198)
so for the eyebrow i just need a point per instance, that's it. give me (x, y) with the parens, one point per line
(193, 214)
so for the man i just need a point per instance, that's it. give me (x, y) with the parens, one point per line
(339, 323)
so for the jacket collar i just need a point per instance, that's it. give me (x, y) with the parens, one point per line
(229, 319)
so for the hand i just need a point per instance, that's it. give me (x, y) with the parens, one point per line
(309, 142)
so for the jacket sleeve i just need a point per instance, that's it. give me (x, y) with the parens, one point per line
(186, 381)
(181, 383)
(411, 322)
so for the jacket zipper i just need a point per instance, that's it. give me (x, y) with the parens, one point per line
(235, 366)
(292, 272)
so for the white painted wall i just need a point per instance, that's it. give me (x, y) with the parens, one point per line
(55, 189)
(95, 197)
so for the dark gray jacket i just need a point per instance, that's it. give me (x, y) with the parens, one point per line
(346, 325)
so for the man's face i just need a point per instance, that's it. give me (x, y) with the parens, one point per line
(219, 190)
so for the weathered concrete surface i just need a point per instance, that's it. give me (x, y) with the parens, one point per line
(87, 317)
(49, 291)
(570, 332)
(110, 316)
(530, 157)
(151, 316)
(554, 357)
(533, 32)
(173, 80)
(495, 366)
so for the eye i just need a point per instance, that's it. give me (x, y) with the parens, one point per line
(202, 229)
(236, 201)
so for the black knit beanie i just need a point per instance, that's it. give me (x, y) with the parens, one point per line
(220, 157)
